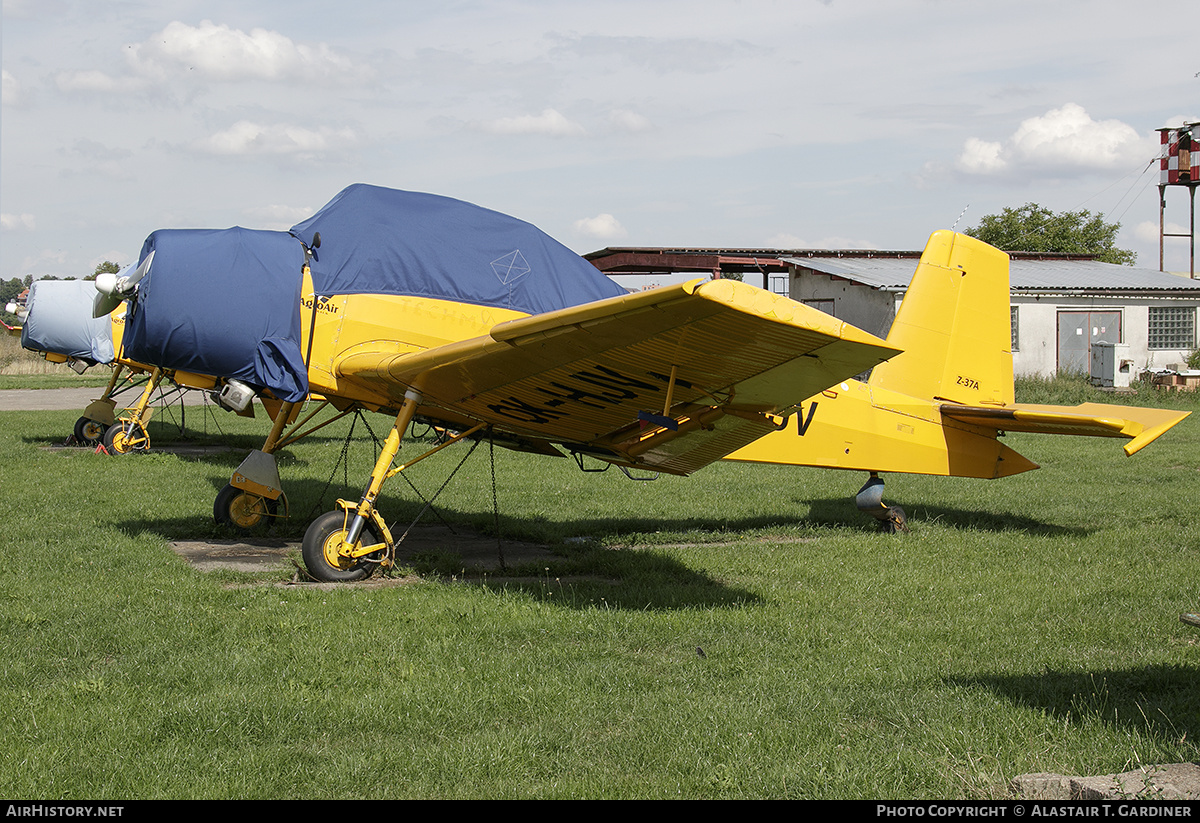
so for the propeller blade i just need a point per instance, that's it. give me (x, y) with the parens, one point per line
(113, 288)
(141, 271)
(103, 304)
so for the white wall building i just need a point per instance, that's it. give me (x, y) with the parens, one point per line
(1060, 305)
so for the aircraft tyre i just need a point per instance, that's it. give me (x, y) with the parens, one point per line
(241, 509)
(123, 438)
(897, 520)
(88, 431)
(320, 550)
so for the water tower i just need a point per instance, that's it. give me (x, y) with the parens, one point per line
(1179, 165)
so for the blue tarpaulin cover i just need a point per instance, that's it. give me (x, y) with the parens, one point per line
(60, 321)
(222, 302)
(384, 241)
(226, 302)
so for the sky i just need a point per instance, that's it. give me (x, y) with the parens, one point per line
(856, 124)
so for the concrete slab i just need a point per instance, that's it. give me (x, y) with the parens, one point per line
(474, 553)
(75, 398)
(1175, 781)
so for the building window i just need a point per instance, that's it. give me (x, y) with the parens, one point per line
(780, 283)
(1172, 327)
(1016, 329)
(820, 305)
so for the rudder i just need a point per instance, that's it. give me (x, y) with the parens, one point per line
(953, 326)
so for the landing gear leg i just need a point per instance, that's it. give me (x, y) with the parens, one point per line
(98, 416)
(333, 543)
(129, 433)
(870, 500)
(251, 498)
(338, 544)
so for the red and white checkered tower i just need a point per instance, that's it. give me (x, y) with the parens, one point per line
(1179, 165)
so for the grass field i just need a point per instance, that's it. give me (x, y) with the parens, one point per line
(24, 369)
(1024, 625)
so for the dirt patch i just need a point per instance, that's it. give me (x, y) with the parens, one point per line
(236, 555)
(465, 551)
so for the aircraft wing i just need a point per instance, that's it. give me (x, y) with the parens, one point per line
(1140, 425)
(668, 380)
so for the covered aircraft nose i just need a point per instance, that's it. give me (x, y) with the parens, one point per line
(59, 319)
(223, 302)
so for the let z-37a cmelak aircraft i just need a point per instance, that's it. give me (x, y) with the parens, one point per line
(65, 322)
(430, 309)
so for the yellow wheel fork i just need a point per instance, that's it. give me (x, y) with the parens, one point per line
(381, 472)
(129, 433)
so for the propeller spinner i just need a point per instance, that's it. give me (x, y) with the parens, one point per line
(114, 288)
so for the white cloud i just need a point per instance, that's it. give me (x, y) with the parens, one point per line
(93, 81)
(981, 157)
(549, 122)
(1065, 140)
(17, 222)
(248, 138)
(1147, 231)
(793, 241)
(626, 120)
(224, 53)
(601, 227)
(12, 92)
(1178, 121)
(216, 52)
(277, 216)
(43, 261)
(24, 9)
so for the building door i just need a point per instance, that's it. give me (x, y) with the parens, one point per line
(1078, 330)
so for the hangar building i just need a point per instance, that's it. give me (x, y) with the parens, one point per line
(1061, 305)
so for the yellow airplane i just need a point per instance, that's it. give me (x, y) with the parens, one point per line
(432, 310)
(58, 325)
(939, 407)
(489, 327)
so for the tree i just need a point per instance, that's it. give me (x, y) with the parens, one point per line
(107, 266)
(10, 290)
(1033, 228)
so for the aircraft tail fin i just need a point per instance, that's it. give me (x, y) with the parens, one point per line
(953, 327)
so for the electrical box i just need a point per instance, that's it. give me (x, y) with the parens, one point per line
(1111, 366)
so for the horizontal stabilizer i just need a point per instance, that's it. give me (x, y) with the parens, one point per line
(1140, 425)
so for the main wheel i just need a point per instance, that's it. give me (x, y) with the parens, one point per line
(320, 550)
(123, 438)
(89, 431)
(241, 509)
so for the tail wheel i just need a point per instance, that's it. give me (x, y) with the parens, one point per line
(123, 438)
(897, 520)
(321, 543)
(242, 510)
(89, 431)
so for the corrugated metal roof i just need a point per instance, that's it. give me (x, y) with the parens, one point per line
(889, 274)
(895, 274)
